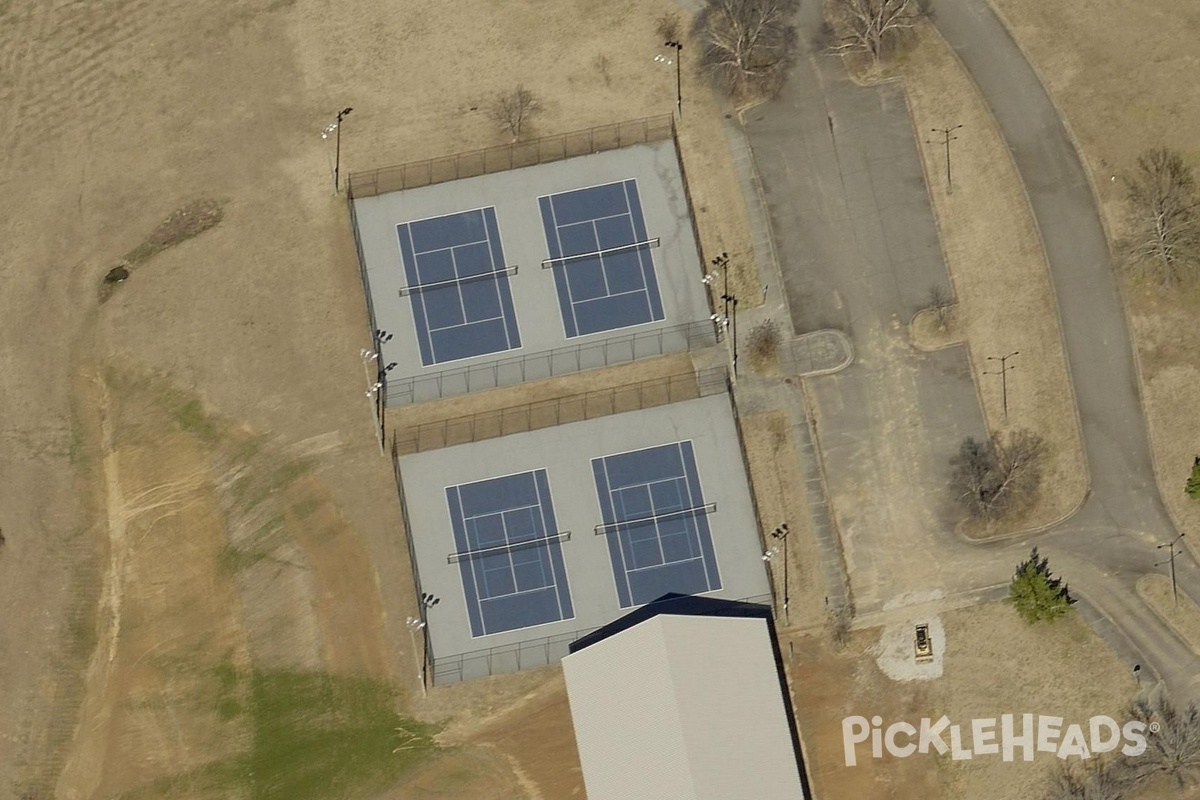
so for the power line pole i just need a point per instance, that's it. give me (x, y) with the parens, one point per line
(1171, 560)
(947, 137)
(1003, 373)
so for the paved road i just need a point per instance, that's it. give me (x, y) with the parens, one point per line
(854, 232)
(1124, 518)
(859, 248)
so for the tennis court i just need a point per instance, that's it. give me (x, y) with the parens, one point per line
(656, 522)
(509, 553)
(458, 286)
(601, 257)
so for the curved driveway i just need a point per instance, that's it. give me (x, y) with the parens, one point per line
(842, 209)
(1124, 518)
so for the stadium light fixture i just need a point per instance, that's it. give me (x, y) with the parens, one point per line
(678, 48)
(335, 128)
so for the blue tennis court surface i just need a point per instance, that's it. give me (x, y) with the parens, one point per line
(458, 286)
(600, 255)
(656, 522)
(509, 553)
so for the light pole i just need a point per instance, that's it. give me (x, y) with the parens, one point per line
(1171, 560)
(947, 137)
(375, 388)
(678, 79)
(1003, 373)
(781, 533)
(415, 625)
(734, 300)
(427, 602)
(721, 265)
(336, 129)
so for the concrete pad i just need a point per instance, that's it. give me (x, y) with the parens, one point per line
(514, 196)
(565, 452)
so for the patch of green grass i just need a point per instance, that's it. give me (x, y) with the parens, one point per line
(307, 507)
(255, 485)
(292, 471)
(318, 736)
(314, 736)
(247, 449)
(228, 708)
(233, 560)
(75, 452)
(191, 417)
(226, 674)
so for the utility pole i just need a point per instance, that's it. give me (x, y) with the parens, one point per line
(1171, 560)
(947, 137)
(1003, 373)
(678, 76)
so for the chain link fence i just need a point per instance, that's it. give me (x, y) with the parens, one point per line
(519, 655)
(549, 363)
(561, 410)
(510, 156)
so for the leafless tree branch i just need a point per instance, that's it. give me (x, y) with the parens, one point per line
(514, 109)
(998, 476)
(746, 46)
(1165, 209)
(942, 305)
(867, 26)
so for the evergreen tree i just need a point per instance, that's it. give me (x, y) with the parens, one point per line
(1036, 593)
(1193, 483)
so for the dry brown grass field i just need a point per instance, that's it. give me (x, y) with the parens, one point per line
(203, 548)
(197, 516)
(989, 640)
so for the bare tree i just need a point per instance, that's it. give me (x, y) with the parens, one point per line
(514, 109)
(746, 46)
(1096, 779)
(1174, 749)
(764, 340)
(667, 27)
(942, 305)
(838, 625)
(602, 65)
(998, 476)
(869, 26)
(1165, 209)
